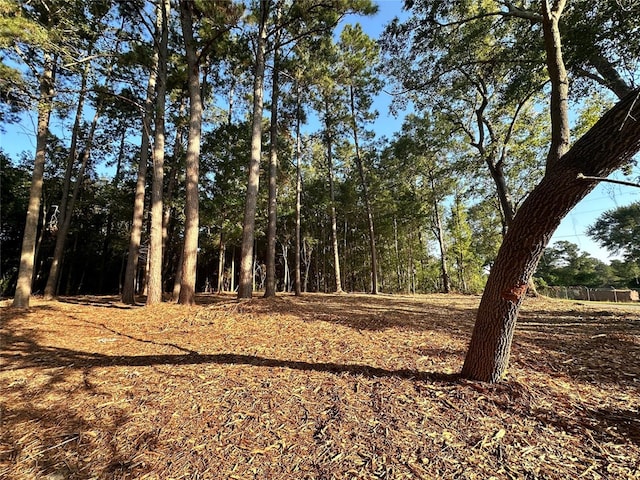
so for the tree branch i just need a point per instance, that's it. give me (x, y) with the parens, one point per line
(609, 180)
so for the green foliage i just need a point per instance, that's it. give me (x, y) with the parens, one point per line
(590, 113)
(14, 198)
(564, 265)
(17, 26)
(618, 231)
(467, 264)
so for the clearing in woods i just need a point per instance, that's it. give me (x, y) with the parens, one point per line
(317, 387)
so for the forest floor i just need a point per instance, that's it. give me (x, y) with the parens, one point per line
(316, 387)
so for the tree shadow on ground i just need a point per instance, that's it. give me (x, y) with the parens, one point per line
(22, 352)
(64, 439)
(106, 301)
(367, 312)
(357, 311)
(592, 346)
(22, 349)
(596, 425)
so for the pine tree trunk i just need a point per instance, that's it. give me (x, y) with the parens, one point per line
(365, 194)
(397, 252)
(131, 271)
(298, 241)
(610, 143)
(270, 289)
(177, 283)
(233, 269)
(221, 261)
(245, 287)
(154, 286)
(52, 282)
(105, 255)
(446, 281)
(332, 199)
(25, 272)
(51, 289)
(286, 282)
(190, 252)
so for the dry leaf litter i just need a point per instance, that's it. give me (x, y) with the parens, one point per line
(315, 387)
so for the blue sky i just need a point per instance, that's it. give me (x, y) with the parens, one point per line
(21, 137)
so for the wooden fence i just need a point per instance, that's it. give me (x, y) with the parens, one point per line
(591, 294)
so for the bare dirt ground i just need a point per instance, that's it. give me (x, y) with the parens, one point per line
(317, 387)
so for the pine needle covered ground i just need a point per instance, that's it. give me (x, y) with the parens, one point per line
(317, 387)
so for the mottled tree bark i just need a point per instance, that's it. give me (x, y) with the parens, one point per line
(365, 194)
(609, 144)
(129, 283)
(25, 271)
(154, 286)
(190, 251)
(270, 286)
(245, 287)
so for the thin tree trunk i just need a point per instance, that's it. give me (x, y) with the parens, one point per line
(559, 107)
(25, 271)
(298, 241)
(190, 252)
(131, 272)
(307, 255)
(221, 261)
(502, 190)
(177, 283)
(174, 169)
(50, 290)
(40, 271)
(233, 269)
(53, 282)
(154, 286)
(365, 194)
(286, 283)
(446, 281)
(245, 288)
(411, 283)
(270, 289)
(457, 241)
(332, 198)
(106, 246)
(397, 252)
(70, 273)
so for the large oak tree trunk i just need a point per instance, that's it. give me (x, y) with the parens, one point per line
(609, 144)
